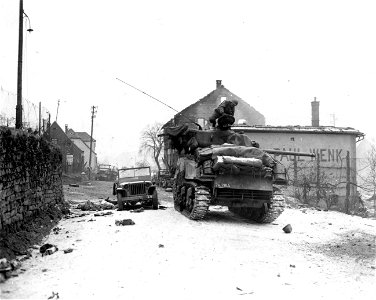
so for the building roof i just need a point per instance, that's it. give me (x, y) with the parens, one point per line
(55, 125)
(300, 129)
(204, 107)
(84, 136)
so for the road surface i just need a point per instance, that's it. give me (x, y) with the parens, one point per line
(328, 255)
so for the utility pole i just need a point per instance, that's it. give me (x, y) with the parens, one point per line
(347, 199)
(57, 110)
(318, 181)
(40, 118)
(334, 119)
(19, 70)
(93, 112)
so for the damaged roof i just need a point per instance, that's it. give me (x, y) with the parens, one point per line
(299, 129)
(84, 136)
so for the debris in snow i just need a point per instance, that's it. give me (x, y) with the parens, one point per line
(287, 228)
(15, 264)
(5, 265)
(124, 222)
(105, 204)
(161, 246)
(141, 209)
(101, 214)
(68, 250)
(56, 230)
(48, 249)
(53, 296)
(88, 205)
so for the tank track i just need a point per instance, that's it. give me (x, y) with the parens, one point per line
(190, 199)
(200, 204)
(266, 214)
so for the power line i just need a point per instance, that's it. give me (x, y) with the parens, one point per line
(199, 126)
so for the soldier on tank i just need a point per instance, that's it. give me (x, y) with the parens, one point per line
(227, 107)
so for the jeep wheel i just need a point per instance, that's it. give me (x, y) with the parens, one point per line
(155, 199)
(120, 202)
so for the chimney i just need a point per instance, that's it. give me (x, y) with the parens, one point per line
(219, 83)
(66, 128)
(315, 113)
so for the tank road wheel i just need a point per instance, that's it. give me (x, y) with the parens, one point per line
(178, 191)
(179, 196)
(269, 212)
(196, 202)
(189, 199)
(155, 199)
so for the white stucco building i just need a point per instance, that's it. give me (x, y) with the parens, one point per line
(82, 141)
(330, 144)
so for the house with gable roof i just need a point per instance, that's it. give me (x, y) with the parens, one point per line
(201, 110)
(73, 156)
(82, 141)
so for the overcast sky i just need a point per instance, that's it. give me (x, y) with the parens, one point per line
(276, 55)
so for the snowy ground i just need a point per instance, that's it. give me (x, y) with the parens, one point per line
(328, 255)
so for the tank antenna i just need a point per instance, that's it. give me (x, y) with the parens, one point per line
(199, 126)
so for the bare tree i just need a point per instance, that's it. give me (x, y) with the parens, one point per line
(313, 184)
(151, 143)
(370, 179)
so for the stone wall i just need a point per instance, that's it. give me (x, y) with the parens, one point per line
(30, 177)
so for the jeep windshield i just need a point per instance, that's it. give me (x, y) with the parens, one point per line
(135, 174)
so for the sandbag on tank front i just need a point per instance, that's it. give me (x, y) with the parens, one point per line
(236, 151)
(221, 160)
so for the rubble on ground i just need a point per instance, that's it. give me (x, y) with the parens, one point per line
(287, 228)
(91, 206)
(48, 249)
(101, 214)
(124, 222)
(8, 268)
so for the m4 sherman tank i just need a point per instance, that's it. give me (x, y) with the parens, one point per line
(221, 167)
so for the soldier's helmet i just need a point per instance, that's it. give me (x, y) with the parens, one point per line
(234, 101)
